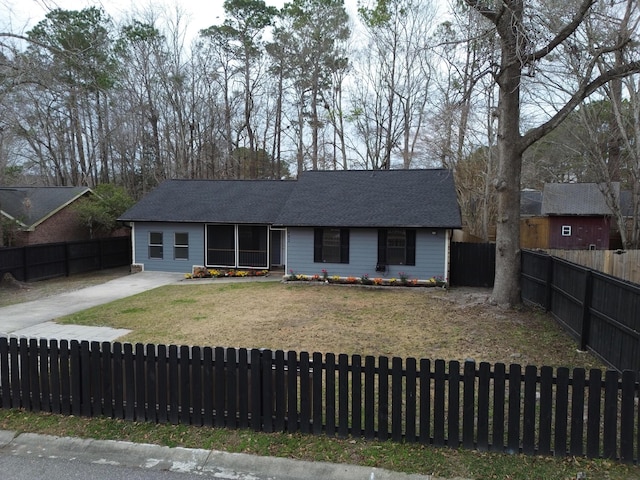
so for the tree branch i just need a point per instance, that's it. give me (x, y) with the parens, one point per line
(483, 10)
(585, 90)
(562, 34)
(31, 40)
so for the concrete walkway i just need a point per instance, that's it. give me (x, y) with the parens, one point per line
(34, 319)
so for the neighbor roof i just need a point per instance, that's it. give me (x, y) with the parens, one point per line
(530, 202)
(575, 199)
(373, 198)
(351, 198)
(212, 201)
(31, 206)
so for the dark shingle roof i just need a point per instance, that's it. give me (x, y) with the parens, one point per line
(366, 198)
(575, 199)
(353, 198)
(212, 201)
(32, 205)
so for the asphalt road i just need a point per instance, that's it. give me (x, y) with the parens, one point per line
(39, 468)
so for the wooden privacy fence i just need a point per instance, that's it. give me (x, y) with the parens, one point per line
(623, 264)
(49, 260)
(484, 407)
(600, 311)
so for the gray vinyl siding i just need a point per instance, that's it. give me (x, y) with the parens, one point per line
(363, 255)
(141, 232)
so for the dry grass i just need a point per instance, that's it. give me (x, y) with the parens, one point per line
(405, 322)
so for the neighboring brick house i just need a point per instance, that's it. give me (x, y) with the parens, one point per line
(36, 215)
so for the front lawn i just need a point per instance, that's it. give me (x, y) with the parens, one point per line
(384, 321)
(418, 322)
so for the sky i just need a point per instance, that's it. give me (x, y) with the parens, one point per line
(19, 16)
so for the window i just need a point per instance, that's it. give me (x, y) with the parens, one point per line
(396, 246)
(252, 246)
(237, 246)
(566, 230)
(155, 245)
(221, 245)
(181, 246)
(331, 245)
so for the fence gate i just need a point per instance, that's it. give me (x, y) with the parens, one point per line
(472, 264)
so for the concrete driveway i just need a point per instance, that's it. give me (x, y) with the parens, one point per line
(34, 319)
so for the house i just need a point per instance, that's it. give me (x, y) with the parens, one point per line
(35, 215)
(347, 223)
(571, 216)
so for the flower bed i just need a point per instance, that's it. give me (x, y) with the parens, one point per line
(203, 272)
(403, 281)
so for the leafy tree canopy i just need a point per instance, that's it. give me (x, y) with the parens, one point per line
(100, 211)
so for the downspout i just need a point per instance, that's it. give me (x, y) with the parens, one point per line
(133, 243)
(285, 259)
(447, 251)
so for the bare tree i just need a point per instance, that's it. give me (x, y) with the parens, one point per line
(532, 35)
(311, 32)
(395, 73)
(141, 49)
(462, 134)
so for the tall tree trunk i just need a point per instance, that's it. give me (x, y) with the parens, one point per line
(487, 179)
(277, 129)
(300, 139)
(228, 164)
(340, 128)
(248, 108)
(315, 124)
(509, 162)
(102, 141)
(77, 133)
(391, 91)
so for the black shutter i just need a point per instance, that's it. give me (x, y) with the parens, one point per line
(317, 245)
(344, 245)
(411, 247)
(382, 246)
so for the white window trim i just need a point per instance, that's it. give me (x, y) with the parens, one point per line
(161, 245)
(566, 230)
(180, 246)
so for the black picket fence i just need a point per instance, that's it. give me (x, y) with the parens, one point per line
(49, 260)
(485, 407)
(602, 312)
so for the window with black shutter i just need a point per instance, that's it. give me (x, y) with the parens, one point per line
(331, 245)
(396, 246)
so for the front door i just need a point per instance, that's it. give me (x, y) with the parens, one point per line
(277, 248)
